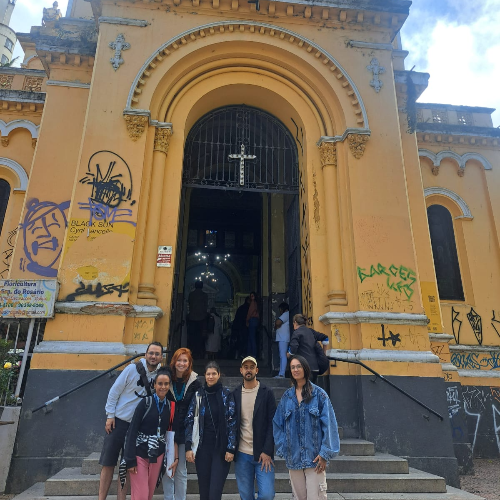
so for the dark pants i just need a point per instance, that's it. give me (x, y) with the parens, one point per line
(212, 470)
(196, 342)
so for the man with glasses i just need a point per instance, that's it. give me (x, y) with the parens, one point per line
(133, 383)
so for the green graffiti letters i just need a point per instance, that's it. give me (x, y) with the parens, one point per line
(399, 278)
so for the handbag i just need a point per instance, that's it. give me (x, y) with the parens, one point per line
(323, 362)
(196, 426)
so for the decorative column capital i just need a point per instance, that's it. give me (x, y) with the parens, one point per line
(328, 152)
(136, 124)
(357, 144)
(162, 139)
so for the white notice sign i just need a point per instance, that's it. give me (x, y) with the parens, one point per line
(164, 258)
(27, 298)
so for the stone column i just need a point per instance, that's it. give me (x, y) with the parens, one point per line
(336, 293)
(146, 289)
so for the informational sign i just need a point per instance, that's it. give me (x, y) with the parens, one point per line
(27, 298)
(431, 306)
(164, 258)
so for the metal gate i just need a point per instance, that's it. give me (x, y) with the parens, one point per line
(241, 148)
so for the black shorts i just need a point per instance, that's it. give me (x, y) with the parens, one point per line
(113, 444)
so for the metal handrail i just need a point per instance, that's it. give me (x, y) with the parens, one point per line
(47, 404)
(381, 377)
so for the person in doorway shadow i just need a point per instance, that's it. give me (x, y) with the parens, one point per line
(239, 330)
(198, 309)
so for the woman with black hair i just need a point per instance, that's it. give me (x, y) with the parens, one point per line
(145, 442)
(306, 433)
(217, 434)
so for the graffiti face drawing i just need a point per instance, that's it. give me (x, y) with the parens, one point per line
(43, 233)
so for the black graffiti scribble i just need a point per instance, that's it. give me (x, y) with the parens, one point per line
(391, 338)
(7, 254)
(111, 183)
(297, 135)
(476, 325)
(493, 321)
(454, 319)
(99, 290)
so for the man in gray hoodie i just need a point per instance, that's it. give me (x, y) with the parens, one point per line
(134, 382)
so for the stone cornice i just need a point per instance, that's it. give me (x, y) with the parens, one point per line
(384, 355)
(23, 71)
(386, 318)
(108, 309)
(124, 21)
(457, 130)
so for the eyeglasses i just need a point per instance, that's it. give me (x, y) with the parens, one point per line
(296, 367)
(153, 353)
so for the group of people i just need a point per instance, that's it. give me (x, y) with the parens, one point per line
(185, 420)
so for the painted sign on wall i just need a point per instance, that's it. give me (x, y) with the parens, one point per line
(27, 298)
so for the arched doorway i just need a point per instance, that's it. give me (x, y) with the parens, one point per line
(239, 221)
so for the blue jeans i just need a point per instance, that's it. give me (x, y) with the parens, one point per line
(253, 324)
(175, 488)
(246, 470)
(283, 347)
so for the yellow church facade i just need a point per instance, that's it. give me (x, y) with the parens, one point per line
(132, 129)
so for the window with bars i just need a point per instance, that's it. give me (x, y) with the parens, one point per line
(4, 200)
(444, 249)
(242, 148)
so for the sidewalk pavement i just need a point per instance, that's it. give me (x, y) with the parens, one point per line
(485, 482)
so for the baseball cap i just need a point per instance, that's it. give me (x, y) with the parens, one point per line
(249, 358)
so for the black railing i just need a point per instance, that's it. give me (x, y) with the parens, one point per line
(381, 377)
(47, 405)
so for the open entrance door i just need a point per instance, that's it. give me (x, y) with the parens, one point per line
(239, 233)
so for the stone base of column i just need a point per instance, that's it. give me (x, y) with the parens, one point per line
(337, 298)
(146, 294)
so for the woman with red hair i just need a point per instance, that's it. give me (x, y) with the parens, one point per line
(184, 385)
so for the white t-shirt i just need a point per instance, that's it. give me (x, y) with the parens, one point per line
(283, 332)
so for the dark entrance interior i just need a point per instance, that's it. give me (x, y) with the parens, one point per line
(239, 225)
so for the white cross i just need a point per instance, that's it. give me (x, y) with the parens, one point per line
(118, 45)
(242, 157)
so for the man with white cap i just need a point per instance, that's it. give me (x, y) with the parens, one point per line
(255, 408)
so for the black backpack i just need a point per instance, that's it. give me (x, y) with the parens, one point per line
(144, 378)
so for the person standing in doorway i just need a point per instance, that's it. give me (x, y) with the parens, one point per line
(133, 383)
(214, 337)
(239, 330)
(255, 407)
(252, 323)
(184, 385)
(282, 325)
(198, 309)
(306, 433)
(217, 434)
(303, 342)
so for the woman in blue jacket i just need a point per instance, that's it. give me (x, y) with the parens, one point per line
(217, 434)
(306, 433)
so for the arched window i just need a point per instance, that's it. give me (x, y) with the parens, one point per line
(4, 200)
(444, 248)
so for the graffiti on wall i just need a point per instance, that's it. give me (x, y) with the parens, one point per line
(143, 330)
(394, 339)
(454, 407)
(495, 323)
(456, 324)
(476, 325)
(7, 254)
(99, 290)
(476, 360)
(397, 278)
(43, 229)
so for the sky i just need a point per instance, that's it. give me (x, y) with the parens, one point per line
(456, 41)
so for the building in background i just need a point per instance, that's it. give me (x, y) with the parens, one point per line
(277, 149)
(7, 34)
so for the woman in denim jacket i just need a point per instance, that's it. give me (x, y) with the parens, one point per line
(217, 427)
(306, 433)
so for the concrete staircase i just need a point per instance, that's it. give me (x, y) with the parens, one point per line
(358, 473)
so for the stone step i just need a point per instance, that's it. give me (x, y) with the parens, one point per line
(72, 482)
(36, 492)
(379, 463)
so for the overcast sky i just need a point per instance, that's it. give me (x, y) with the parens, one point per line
(456, 41)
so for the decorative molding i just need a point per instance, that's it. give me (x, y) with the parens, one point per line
(6, 82)
(7, 127)
(386, 318)
(376, 70)
(357, 144)
(32, 83)
(5, 141)
(238, 26)
(109, 309)
(448, 193)
(76, 85)
(449, 367)
(118, 45)
(440, 337)
(74, 347)
(436, 159)
(478, 373)
(369, 45)
(342, 138)
(328, 152)
(162, 139)
(474, 348)
(141, 23)
(384, 355)
(18, 170)
(136, 124)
